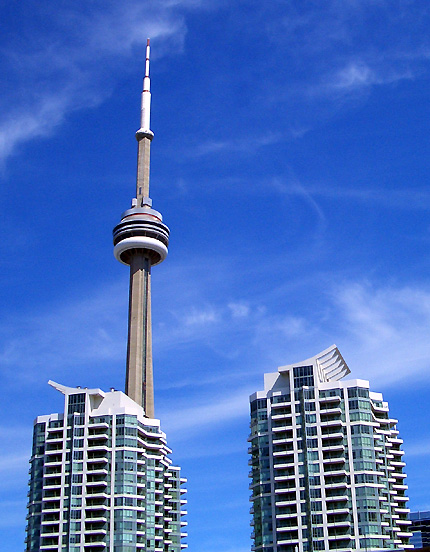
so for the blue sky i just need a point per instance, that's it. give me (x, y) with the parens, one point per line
(291, 162)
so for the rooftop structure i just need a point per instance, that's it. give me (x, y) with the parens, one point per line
(326, 462)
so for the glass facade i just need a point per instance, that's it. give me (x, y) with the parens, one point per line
(103, 482)
(326, 464)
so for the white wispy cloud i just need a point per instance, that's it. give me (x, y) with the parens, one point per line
(218, 411)
(358, 75)
(386, 329)
(346, 55)
(398, 198)
(13, 463)
(201, 316)
(246, 144)
(421, 448)
(12, 513)
(72, 59)
(74, 332)
(239, 310)
(14, 456)
(292, 186)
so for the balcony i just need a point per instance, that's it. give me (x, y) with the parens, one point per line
(96, 503)
(91, 529)
(54, 438)
(400, 487)
(96, 469)
(96, 481)
(331, 435)
(336, 498)
(50, 530)
(343, 510)
(51, 506)
(286, 499)
(340, 483)
(97, 457)
(397, 464)
(330, 460)
(96, 515)
(52, 481)
(51, 495)
(98, 424)
(335, 469)
(293, 526)
(339, 446)
(98, 444)
(339, 535)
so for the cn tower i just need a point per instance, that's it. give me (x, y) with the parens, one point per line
(140, 241)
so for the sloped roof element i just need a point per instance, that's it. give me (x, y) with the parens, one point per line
(329, 365)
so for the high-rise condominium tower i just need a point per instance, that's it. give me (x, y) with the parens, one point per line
(326, 463)
(101, 479)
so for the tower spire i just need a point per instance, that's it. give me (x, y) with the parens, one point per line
(140, 241)
(144, 135)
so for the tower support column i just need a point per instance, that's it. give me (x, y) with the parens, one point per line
(139, 377)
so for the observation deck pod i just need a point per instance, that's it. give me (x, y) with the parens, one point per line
(141, 228)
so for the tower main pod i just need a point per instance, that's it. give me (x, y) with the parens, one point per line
(140, 241)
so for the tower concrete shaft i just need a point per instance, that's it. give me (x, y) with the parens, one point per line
(139, 384)
(140, 241)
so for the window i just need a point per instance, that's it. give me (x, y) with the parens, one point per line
(125, 501)
(280, 399)
(360, 428)
(76, 403)
(365, 478)
(358, 392)
(330, 393)
(258, 404)
(360, 416)
(75, 526)
(302, 371)
(303, 376)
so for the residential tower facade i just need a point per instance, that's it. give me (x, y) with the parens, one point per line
(326, 463)
(101, 479)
